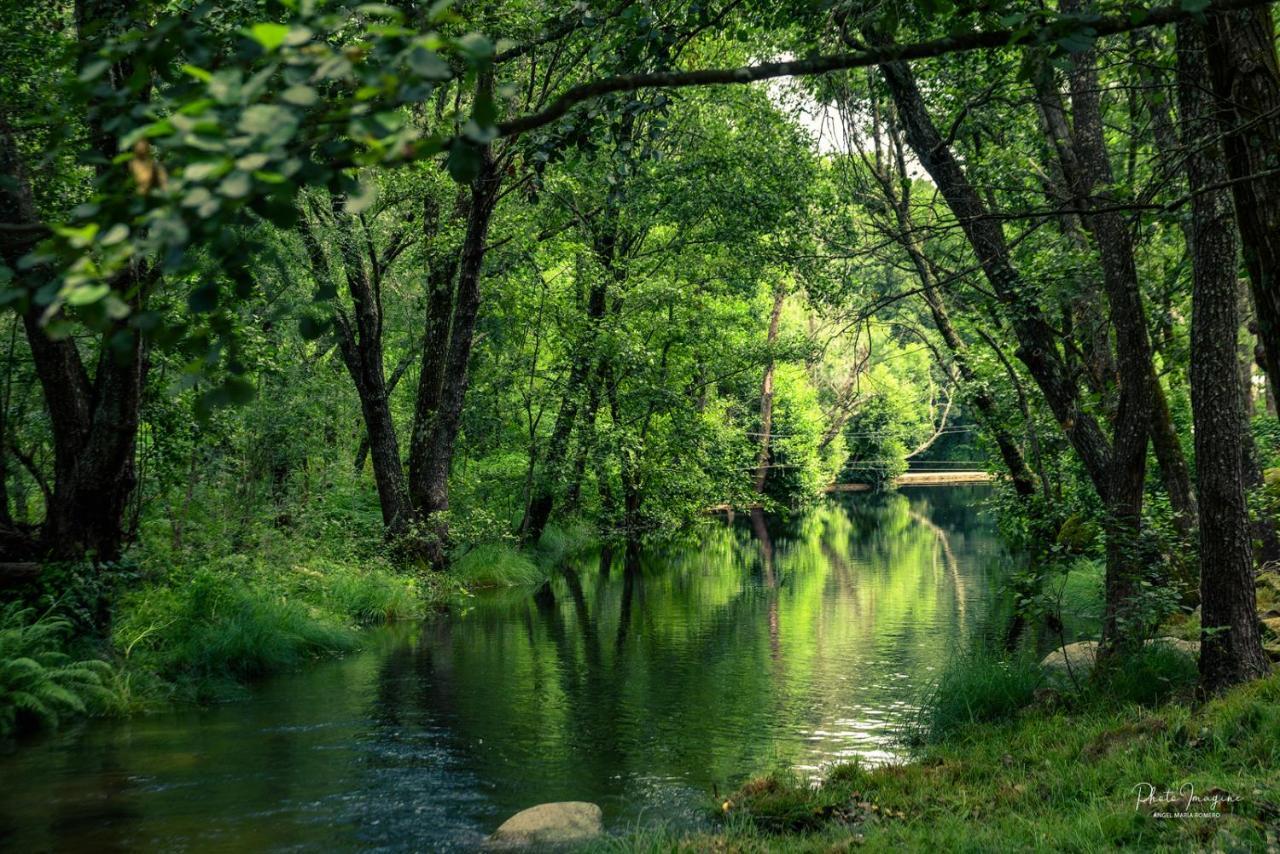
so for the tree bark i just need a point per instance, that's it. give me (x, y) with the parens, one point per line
(93, 420)
(1135, 371)
(1245, 74)
(1230, 643)
(431, 456)
(972, 387)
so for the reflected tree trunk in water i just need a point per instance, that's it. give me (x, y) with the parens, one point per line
(770, 579)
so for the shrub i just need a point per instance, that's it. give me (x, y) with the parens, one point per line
(40, 684)
(782, 803)
(564, 541)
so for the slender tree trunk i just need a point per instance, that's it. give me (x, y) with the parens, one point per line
(972, 387)
(766, 391)
(539, 510)
(1230, 646)
(1245, 74)
(1134, 367)
(360, 345)
(362, 452)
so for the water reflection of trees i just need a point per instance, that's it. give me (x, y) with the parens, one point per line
(701, 663)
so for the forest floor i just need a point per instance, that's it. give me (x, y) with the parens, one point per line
(1176, 777)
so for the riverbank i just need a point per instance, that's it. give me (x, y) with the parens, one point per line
(191, 629)
(1053, 779)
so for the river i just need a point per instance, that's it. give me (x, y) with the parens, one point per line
(642, 682)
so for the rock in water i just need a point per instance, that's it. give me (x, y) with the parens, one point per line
(552, 824)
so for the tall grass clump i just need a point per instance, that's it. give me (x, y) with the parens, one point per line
(981, 686)
(40, 684)
(562, 541)
(496, 565)
(369, 595)
(217, 625)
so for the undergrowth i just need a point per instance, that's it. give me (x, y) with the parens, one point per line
(40, 684)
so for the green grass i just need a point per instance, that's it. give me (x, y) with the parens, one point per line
(217, 625)
(496, 565)
(197, 633)
(563, 541)
(1047, 780)
(978, 687)
(40, 684)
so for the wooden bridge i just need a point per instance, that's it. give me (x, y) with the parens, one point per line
(921, 478)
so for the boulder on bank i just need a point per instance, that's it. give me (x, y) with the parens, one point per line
(552, 824)
(1079, 657)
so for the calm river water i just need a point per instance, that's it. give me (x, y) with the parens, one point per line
(639, 682)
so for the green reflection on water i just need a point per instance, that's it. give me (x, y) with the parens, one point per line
(636, 679)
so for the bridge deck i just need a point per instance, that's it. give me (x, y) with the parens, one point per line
(921, 478)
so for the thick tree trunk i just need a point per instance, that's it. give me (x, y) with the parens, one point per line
(431, 455)
(1230, 646)
(766, 392)
(93, 421)
(1245, 73)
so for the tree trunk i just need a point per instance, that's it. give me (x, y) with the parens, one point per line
(766, 391)
(431, 455)
(360, 345)
(1135, 371)
(540, 506)
(94, 421)
(1230, 644)
(1241, 54)
(972, 387)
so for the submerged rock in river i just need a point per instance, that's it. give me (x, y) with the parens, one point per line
(552, 824)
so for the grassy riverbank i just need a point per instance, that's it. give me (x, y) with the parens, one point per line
(189, 628)
(1061, 777)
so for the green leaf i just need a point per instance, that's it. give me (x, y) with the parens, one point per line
(94, 69)
(198, 73)
(87, 295)
(265, 119)
(463, 162)
(428, 65)
(361, 196)
(270, 36)
(236, 185)
(301, 96)
(204, 298)
(239, 391)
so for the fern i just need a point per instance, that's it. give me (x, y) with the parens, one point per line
(40, 685)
